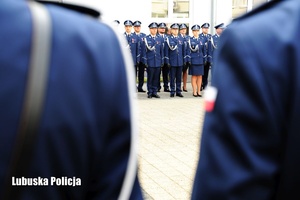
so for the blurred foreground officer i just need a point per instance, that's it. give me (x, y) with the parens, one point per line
(133, 43)
(165, 71)
(141, 66)
(86, 130)
(250, 143)
(153, 58)
(207, 39)
(175, 53)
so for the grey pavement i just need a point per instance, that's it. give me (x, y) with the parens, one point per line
(169, 137)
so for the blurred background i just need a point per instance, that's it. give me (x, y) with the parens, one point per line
(189, 12)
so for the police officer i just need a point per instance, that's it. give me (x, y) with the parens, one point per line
(250, 139)
(162, 29)
(89, 90)
(207, 38)
(165, 71)
(219, 29)
(153, 55)
(215, 40)
(175, 54)
(133, 43)
(196, 57)
(141, 66)
(183, 33)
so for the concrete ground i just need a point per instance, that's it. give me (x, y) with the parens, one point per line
(169, 137)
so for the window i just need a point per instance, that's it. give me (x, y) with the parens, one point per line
(170, 8)
(181, 8)
(159, 8)
(257, 3)
(239, 7)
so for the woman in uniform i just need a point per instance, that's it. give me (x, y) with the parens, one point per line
(196, 56)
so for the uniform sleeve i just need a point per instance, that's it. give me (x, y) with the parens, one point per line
(185, 58)
(240, 145)
(166, 51)
(162, 53)
(203, 49)
(143, 51)
(188, 51)
(209, 48)
(138, 49)
(205, 44)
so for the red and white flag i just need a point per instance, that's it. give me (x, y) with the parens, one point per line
(210, 96)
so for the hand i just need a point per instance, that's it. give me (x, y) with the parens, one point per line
(146, 66)
(169, 66)
(188, 64)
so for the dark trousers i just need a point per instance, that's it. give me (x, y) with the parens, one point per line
(175, 77)
(140, 73)
(153, 79)
(205, 76)
(158, 80)
(165, 75)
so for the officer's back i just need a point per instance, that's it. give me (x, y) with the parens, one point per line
(250, 138)
(86, 119)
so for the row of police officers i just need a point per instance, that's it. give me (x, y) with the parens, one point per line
(172, 54)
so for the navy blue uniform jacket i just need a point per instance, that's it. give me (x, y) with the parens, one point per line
(175, 51)
(134, 44)
(250, 145)
(86, 126)
(153, 52)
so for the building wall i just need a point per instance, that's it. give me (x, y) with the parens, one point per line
(211, 11)
(200, 12)
(256, 3)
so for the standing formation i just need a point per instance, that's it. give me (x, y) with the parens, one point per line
(173, 56)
